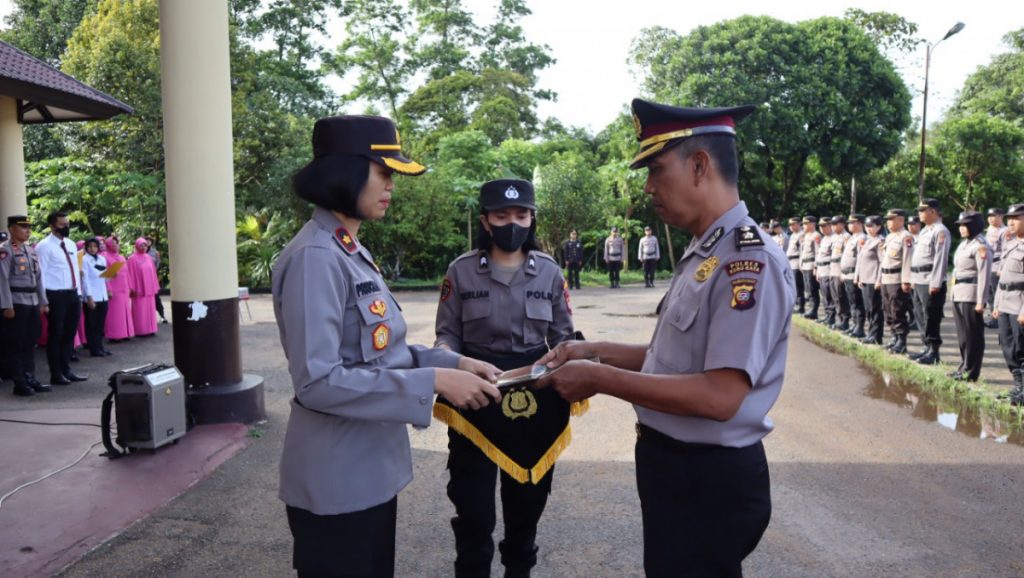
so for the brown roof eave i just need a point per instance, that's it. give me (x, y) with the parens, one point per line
(47, 97)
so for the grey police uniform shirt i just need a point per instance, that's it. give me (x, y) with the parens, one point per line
(996, 237)
(782, 240)
(931, 252)
(897, 251)
(809, 245)
(793, 248)
(1011, 270)
(869, 261)
(838, 246)
(728, 306)
(357, 383)
(480, 312)
(648, 248)
(972, 264)
(19, 270)
(614, 249)
(848, 258)
(823, 260)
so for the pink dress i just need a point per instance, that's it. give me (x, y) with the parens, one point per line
(144, 285)
(119, 323)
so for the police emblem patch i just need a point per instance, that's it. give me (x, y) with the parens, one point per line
(705, 269)
(982, 253)
(743, 293)
(379, 307)
(381, 336)
(511, 193)
(518, 403)
(909, 241)
(446, 289)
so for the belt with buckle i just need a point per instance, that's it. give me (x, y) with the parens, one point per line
(966, 280)
(922, 269)
(891, 271)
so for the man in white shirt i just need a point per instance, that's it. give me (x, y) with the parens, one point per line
(94, 288)
(58, 260)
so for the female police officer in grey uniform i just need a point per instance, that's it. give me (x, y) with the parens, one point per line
(505, 303)
(357, 383)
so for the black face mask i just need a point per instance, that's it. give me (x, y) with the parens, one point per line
(509, 237)
(64, 231)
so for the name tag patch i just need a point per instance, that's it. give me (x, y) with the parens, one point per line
(547, 295)
(745, 266)
(367, 288)
(468, 295)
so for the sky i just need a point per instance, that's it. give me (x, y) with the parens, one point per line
(591, 40)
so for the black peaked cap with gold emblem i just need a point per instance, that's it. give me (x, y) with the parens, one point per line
(18, 220)
(660, 126)
(373, 137)
(503, 193)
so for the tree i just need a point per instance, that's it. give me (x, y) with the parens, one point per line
(505, 46)
(997, 88)
(891, 32)
(42, 28)
(569, 196)
(445, 37)
(983, 157)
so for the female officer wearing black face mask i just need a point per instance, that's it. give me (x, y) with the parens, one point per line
(506, 303)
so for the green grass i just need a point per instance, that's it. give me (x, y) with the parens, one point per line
(932, 379)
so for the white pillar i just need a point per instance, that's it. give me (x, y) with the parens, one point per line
(12, 163)
(195, 81)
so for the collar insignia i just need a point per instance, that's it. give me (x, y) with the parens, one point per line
(345, 240)
(713, 239)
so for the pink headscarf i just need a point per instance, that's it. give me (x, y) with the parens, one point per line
(80, 245)
(112, 245)
(141, 245)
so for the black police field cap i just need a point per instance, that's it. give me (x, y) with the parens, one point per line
(996, 212)
(838, 219)
(774, 223)
(895, 213)
(928, 204)
(913, 220)
(373, 137)
(810, 219)
(660, 126)
(1015, 210)
(856, 218)
(967, 217)
(506, 193)
(873, 220)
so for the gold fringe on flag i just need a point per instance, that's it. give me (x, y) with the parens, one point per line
(579, 408)
(534, 475)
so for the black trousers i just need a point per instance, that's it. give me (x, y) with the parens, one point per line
(825, 286)
(990, 290)
(801, 299)
(841, 299)
(18, 338)
(704, 507)
(65, 309)
(95, 319)
(928, 312)
(471, 490)
(856, 303)
(159, 306)
(650, 266)
(573, 270)
(352, 545)
(811, 290)
(613, 272)
(873, 315)
(970, 333)
(896, 304)
(1011, 339)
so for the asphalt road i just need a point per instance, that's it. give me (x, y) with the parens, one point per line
(860, 486)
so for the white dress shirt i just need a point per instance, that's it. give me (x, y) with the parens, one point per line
(92, 284)
(58, 259)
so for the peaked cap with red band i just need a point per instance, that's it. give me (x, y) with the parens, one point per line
(660, 126)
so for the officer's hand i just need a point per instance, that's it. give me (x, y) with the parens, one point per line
(463, 389)
(44, 309)
(995, 313)
(933, 291)
(9, 313)
(573, 381)
(567, 351)
(89, 302)
(1020, 319)
(479, 368)
(979, 308)
(878, 286)
(906, 287)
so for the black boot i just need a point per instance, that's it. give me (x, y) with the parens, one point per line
(892, 342)
(23, 389)
(901, 344)
(931, 357)
(1017, 393)
(919, 354)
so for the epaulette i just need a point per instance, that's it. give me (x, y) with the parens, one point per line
(748, 236)
(345, 241)
(543, 255)
(466, 255)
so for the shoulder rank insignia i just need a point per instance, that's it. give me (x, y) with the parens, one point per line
(345, 240)
(705, 269)
(483, 262)
(713, 239)
(446, 289)
(379, 307)
(746, 236)
(743, 293)
(381, 336)
(532, 263)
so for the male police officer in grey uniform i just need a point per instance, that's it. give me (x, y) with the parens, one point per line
(808, 263)
(796, 238)
(649, 254)
(22, 299)
(1009, 302)
(823, 272)
(715, 365)
(928, 275)
(614, 254)
(572, 254)
(971, 265)
(996, 236)
(835, 271)
(848, 269)
(897, 251)
(868, 277)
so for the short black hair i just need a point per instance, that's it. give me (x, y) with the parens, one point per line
(722, 150)
(51, 219)
(483, 238)
(334, 183)
(92, 241)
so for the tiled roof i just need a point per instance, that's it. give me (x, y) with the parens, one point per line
(46, 94)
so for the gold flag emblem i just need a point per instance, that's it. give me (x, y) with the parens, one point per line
(705, 269)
